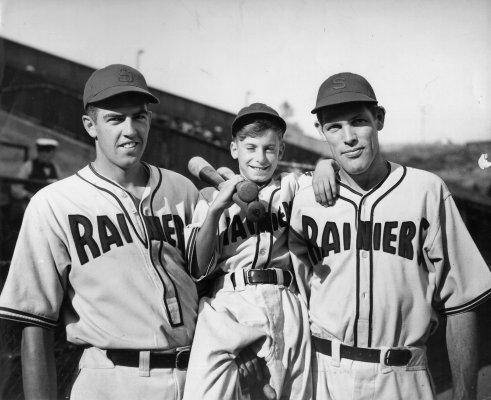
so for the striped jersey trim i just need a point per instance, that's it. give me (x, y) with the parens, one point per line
(192, 260)
(469, 305)
(27, 318)
(191, 250)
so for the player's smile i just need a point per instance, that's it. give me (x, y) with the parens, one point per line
(129, 144)
(259, 169)
(353, 153)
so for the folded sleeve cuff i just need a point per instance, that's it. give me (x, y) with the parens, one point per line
(470, 305)
(27, 318)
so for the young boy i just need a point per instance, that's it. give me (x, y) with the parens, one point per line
(256, 302)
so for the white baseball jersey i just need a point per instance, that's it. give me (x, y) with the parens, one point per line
(270, 317)
(122, 269)
(378, 267)
(243, 244)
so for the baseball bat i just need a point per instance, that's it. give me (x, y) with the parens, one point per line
(246, 190)
(201, 169)
(225, 172)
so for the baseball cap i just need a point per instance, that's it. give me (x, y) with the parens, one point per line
(247, 114)
(46, 143)
(344, 87)
(113, 80)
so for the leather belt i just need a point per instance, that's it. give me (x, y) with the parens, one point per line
(131, 358)
(393, 357)
(272, 276)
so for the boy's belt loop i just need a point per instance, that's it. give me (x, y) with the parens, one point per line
(144, 363)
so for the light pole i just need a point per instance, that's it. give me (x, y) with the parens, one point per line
(247, 97)
(138, 57)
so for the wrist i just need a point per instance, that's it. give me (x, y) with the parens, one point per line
(215, 211)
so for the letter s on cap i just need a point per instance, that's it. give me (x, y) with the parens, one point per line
(339, 83)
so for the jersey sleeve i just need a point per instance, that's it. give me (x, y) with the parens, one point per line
(463, 279)
(199, 216)
(305, 180)
(296, 181)
(300, 253)
(34, 289)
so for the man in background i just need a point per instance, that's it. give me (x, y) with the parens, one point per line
(41, 168)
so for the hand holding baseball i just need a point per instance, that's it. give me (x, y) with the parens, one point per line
(226, 191)
(246, 192)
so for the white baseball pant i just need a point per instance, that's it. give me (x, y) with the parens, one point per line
(100, 379)
(271, 318)
(336, 378)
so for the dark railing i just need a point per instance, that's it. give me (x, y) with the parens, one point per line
(21, 147)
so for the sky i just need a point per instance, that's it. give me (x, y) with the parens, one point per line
(428, 61)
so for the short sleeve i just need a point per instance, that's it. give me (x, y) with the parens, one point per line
(34, 289)
(296, 181)
(199, 216)
(305, 180)
(463, 277)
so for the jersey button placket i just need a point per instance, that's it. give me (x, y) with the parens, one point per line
(137, 220)
(364, 289)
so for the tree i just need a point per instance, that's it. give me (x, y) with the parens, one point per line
(286, 110)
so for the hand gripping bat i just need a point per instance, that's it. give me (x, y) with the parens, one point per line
(246, 191)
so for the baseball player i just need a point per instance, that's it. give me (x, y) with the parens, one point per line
(256, 303)
(102, 252)
(380, 266)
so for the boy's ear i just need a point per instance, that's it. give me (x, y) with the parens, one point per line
(89, 126)
(234, 152)
(282, 150)
(380, 118)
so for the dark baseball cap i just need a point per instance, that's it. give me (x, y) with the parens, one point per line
(113, 80)
(344, 87)
(253, 111)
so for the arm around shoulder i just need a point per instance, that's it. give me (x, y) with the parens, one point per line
(324, 181)
(38, 363)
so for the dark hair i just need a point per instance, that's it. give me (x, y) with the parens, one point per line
(91, 111)
(256, 127)
(321, 114)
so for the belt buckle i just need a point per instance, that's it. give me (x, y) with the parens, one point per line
(287, 274)
(250, 277)
(182, 359)
(397, 357)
